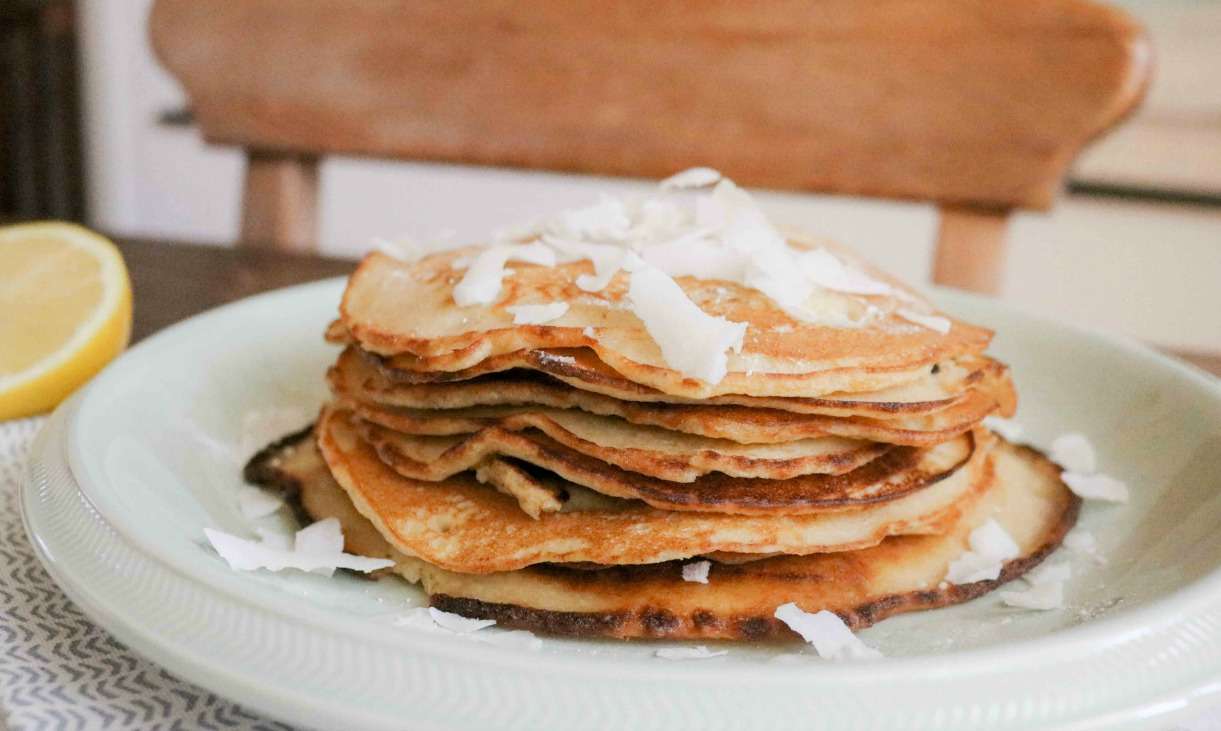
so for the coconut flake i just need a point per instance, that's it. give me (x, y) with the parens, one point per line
(457, 623)
(1043, 597)
(255, 502)
(699, 177)
(1096, 487)
(829, 272)
(828, 634)
(245, 555)
(990, 548)
(1049, 574)
(482, 281)
(518, 639)
(588, 331)
(699, 652)
(935, 323)
(697, 572)
(1082, 541)
(537, 314)
(691, 341)
(1008, 429)
(1074, 453)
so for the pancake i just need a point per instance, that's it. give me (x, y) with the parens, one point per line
(392, 307)
(730, 423)
(895, 473)
(661, 453)
(461, 525)
(575, 379)
(901, 574)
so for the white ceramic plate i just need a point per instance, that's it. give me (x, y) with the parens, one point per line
(129, 473)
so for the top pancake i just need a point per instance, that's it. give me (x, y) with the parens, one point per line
(392, 307)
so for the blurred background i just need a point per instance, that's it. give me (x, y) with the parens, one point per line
(92, 129)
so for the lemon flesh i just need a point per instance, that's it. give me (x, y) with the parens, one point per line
(65, 312)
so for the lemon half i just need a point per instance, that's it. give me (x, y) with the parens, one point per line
(65, 312)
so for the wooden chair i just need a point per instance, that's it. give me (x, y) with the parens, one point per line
(976, 105)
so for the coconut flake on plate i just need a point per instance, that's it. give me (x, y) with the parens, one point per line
(458, 624)
(246, 555)
(935, 323)
(697, 177)
(518, 639)
(1074, 453)
(1008, 429)
(1044, 588)
(1082, 541)
(255, 502)
(481, 283)
(537, 314)
(700, 652)
(990, 548)
(691, 341)
(697, 572)
(1041, 597)
(1096, 487)
(828, 634)
(324, 537)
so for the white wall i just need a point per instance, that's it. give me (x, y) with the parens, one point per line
(1150, 271)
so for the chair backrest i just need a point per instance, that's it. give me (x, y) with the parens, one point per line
(976, 105)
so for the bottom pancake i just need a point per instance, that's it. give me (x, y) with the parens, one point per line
(901, 574)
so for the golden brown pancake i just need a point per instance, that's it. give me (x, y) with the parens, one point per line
(464, 526)
(661, 453)
(574, 379)
(392, 307)
(901, 574)
(897, 472)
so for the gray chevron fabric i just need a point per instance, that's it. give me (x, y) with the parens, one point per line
(59, 671)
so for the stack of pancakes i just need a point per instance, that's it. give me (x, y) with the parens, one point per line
(560, 476)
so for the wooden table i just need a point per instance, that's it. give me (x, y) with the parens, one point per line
(174, 281)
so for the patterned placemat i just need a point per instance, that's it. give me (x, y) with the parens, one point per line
(60, 671)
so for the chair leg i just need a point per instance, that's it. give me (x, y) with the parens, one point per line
(970, 249)
(280, 201)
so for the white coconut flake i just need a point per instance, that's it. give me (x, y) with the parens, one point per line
(1008, 429)
(537, 314)
(990, 548)
(1082, 541)
(324, 537)
(589, 332)
(456, 623)
(1074, 453)
(255, 502)
(274, 538)
(417, 618)
(518, 639)
(935, 323)
(691, 341)
(246, 555)
(699, 177)
(481, 283)
(1096, 487)
(697, 571)
(828, 634)
(1043, 597)
(1049, 574)
(828, 271)
(700, 652)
